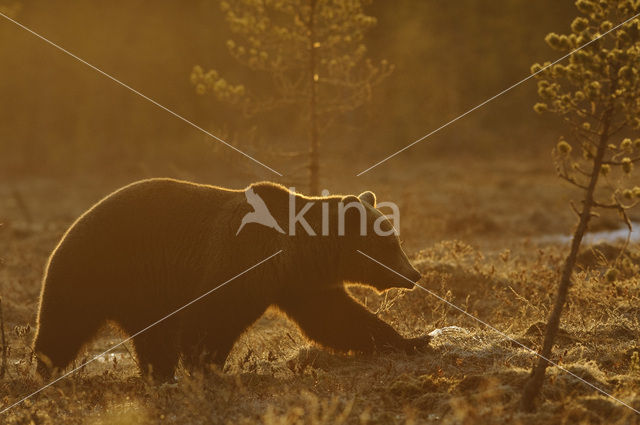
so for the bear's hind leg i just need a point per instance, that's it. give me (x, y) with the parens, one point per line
(158, 352)
(208, 349)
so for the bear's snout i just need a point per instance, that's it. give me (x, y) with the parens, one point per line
(414, 276)
(411, 276)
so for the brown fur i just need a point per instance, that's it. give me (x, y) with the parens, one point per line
(153, 246)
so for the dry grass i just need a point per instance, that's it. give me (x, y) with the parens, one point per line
(471, 374)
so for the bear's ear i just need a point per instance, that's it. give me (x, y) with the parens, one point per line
(354, 215)
(347, 199)
(368, 197)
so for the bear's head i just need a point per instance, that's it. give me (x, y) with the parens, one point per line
(371, 251)
(340, 238)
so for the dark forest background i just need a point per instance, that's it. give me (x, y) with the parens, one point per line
(58, 117)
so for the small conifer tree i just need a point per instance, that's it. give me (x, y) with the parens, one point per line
(314, 54)
(597, 95)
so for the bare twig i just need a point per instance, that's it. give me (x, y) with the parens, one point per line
(572, 181)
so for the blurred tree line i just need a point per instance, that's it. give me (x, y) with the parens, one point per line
(58, 116)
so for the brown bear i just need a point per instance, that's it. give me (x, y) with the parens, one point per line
(155, 245)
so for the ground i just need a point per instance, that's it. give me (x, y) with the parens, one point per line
(491, 248)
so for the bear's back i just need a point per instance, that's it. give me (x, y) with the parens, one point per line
(155, 218)
(156, 204)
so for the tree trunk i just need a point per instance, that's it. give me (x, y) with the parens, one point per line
(534, 385)
(3, 364)
(314, 160)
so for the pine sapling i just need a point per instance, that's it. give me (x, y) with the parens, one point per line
(597, 95)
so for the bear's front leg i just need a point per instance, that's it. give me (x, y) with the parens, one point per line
(335, 320)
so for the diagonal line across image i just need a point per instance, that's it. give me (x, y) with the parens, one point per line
(461, 310)
(114, 79)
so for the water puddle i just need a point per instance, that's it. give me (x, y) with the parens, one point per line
(609, 236)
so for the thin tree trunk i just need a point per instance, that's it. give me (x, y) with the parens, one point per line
(534, 385)
(314, 160)
(3, 365)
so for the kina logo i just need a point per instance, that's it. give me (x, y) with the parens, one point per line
(260, 213)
